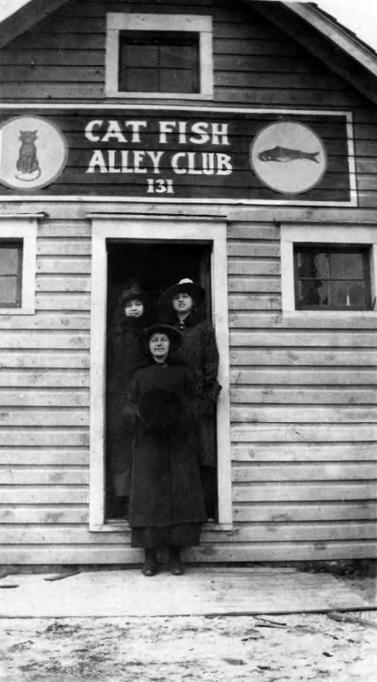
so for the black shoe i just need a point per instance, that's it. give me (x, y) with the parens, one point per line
(176, 566)
(150, 566)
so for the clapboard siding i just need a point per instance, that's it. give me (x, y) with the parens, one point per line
(303, 390)
(44, 390)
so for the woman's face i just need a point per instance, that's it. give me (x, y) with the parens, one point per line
(159, 345)
(182, 302)
(134, 308)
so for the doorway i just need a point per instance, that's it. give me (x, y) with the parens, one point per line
(155, 265)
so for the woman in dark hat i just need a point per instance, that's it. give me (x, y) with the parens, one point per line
(166, 501)
(181, 304)
(125, 355)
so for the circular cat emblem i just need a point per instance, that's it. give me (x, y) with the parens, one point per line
(33, 152)
(288, 157)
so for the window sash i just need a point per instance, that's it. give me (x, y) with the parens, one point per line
(331, 284)
(12, 275)
(148, 61)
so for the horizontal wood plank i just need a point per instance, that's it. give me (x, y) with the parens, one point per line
(56, 321)
(42, 339)
(43, 417)
(62, 301)
(62, 283)
(47, 265)
(53, 514)
(39, 398)
(281, 532)
(339, 339)
(303, 356)
(305, 452)
(21, 475)
(250, 473)
(307, 511)
(275, 433)
(363, 376)
(305, 413)
(278, 321)
(47, 360)
(45, 438)
(302, 492)
(54, 494)
(43, 378)
(316, 396)
(29, 456)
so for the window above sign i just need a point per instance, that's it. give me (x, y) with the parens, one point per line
(159, 56)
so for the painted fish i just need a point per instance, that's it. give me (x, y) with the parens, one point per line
(283, 155)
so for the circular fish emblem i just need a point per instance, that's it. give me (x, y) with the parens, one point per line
(288, 157)
(33, 152)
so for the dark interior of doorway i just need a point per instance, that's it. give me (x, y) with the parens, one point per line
(156, 265)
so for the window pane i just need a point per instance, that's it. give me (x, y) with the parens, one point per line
(349, 294)
(141, 80)
(141, 55)
(9, 257)
(347, 265)
(312, 293)
(174, 81)
(313, 264)
(9, 291)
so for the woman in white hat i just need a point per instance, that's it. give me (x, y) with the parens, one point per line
(181, 303)
(166, 501)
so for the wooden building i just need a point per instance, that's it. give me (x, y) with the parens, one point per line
(233, 142)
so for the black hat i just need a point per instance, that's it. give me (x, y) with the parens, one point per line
(185, 285)
(132, 292)
(174, 336)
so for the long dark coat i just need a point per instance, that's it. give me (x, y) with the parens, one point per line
(125, 355)
(199, 352)
(165, 483)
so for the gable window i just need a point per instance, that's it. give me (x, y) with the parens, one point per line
(159, 61)
(10, 273)
(159, 55)
(332, 277)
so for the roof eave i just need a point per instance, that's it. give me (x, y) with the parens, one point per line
(336, 33)
(26, 17)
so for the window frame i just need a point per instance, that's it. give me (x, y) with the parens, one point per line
(156, 229)
(333, 235)
(22, 230)
(118, 22)
(362, 250)
(18, 245)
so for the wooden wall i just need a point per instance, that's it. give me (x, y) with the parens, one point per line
(304, 396)
(304, 413)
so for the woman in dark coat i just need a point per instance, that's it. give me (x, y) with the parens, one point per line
(199, 352)
(166, 502)
(125, 355)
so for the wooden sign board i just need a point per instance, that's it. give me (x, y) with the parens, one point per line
(200, 154)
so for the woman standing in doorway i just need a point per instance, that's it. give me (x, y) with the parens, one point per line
(124, 357)
(181, 302)
(166, 502)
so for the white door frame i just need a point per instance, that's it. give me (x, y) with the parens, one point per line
(155, 229)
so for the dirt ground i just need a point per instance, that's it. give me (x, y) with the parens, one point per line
(334, 647)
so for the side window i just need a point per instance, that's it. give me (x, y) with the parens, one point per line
(159, 55)
(328, 268)
(18, 248)
(332, 277)
(10, 273)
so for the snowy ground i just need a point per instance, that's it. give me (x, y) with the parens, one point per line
(295, 647)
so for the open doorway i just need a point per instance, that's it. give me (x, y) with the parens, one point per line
(156, 265)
